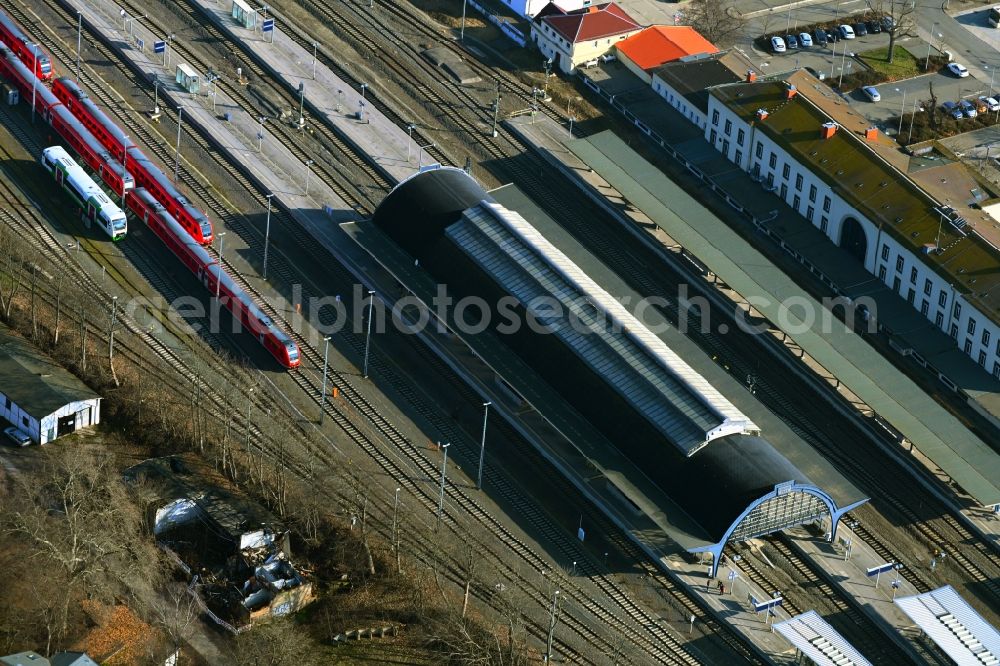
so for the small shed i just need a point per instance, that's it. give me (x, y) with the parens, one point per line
(245, 14)
(40, 397)
(188, 79)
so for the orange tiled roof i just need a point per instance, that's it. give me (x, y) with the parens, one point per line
(663, 43)
(592, 23)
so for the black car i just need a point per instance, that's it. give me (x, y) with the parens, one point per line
(791, 41)
(874, 27)
(860, 30)
(832, 36)
(819, 38)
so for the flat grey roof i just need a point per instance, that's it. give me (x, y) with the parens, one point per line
(688, 410)
(823, 644)
(932, 429)
(954, 625)
(34, 381)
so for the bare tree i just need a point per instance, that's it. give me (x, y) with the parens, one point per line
(276, 643)
(10, 273)
(717, 20)
(176, 613)
(902, 20)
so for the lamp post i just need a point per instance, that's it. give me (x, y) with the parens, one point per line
(547, 64)
(111, 333)
(267, 234)
(482, 445)
(927, 61)
(166, 50)
(218, 275)
(34, 80)
(409, 141)
(461, 32)
(322, 396)
(368, 334)
(308, 174)
(260, 135)
(177, 147)
(993, 73)
(420, 154)
(302, 103)
(913, 114)
(315, 49)
(124, 168)
(444, 467)
(902, 110)
(364, 87)
(79, 38)
(552, 627)
(571, 120)
(340, 100)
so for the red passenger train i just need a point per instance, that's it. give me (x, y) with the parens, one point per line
(156, 214)
(69, 128)
(146, 173)
(27, 52)
(197, 260)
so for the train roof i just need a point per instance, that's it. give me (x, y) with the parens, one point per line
(48, 99)
(95, 146)
(230, 285)
(94, 110)
(175, 228)
(157, 174)
(12, 27)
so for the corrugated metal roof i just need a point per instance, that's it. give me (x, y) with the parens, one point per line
(823, 644)
(616, 345)
(955, 626)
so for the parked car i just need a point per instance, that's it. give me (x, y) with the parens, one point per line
(992, 104)
(860, 30)
(968, 108)
(819, 75)
(887, 23)
(871, 93)
(777, 45)
(819, 37)
(805, 40)
(609, 57)
(874, 27)
(951, 108)
(833, 35)
(16, 436)
(846, 32)
(958, 69)
(791, 41)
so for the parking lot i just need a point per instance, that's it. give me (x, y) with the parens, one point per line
(830, 59)
(947, 88)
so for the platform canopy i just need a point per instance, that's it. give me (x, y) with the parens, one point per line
(816, 639)
(955, 626)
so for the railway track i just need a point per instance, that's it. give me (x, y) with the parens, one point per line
(583, 601)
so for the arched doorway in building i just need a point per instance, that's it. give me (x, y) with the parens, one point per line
(853, 239)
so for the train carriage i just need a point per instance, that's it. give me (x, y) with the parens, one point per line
(149, 176)
(95, 205)
(146, 172)
(91, 151)
(26, 51)
(152, 213)
(251, 317)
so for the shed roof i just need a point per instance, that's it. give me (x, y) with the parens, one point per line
(823, 644)
(685, 407)
(658, 44)
(955, 626)
(34, 381)
(592, 22)
(873, 186)
(24, 659)
(72, 659)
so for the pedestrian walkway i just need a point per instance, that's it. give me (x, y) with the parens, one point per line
(337, 102)
(551, 141)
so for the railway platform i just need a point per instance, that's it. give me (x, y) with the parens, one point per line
(396, 154)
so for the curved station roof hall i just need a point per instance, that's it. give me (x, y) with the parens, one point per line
(621, 388)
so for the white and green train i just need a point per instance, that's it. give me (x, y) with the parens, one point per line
(96, 207)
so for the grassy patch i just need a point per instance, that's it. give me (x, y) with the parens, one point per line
(903, 66)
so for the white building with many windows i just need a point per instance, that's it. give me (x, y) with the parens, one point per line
(840, 181)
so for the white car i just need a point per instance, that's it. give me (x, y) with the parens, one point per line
(16, 436)
(872, 93)
(805, 40)
(991, 103)
(959, 70)
(777, 45)
(846, 32)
